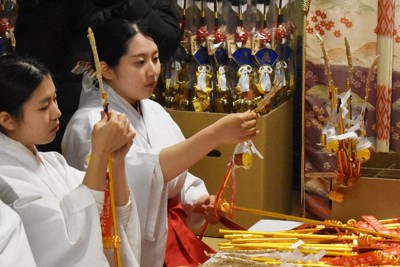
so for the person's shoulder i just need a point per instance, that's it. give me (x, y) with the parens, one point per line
(53, 157)
(156, 109)
(160, 113)
(86, 113)
(89, 110)
(58, 161)
(153, 105)
(81, 123)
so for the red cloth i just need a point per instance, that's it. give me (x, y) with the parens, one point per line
(183, 246)
(317, 207)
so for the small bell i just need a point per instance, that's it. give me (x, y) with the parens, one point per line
(243, 156)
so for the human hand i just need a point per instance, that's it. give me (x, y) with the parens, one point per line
(236, 127)
(112, 134)
(205, 205)
(119, 154)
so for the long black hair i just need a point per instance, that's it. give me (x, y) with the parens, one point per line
(19, 78)
(113, 38)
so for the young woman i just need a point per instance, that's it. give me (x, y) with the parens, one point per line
(157, 162)
(59, 205)
(55, 34)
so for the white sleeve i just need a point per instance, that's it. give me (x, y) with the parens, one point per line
(194, 188)
(14, 246)
(70, 225)
(124, 213)
(76, 142)
(130, 233)
(99, 198)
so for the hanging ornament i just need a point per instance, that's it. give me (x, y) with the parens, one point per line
(241, 33)
(172, 85)
(243, 58)
(201, 100)
(223, 88)
(265, 58)
(264, 35)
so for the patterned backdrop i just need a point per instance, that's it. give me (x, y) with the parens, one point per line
(357, 21)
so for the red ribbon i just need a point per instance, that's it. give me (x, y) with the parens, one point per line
(183, 247)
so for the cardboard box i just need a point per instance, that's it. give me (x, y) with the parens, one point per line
(267, 185)
(376, 193)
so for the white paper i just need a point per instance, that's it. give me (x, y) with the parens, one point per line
(274, 225)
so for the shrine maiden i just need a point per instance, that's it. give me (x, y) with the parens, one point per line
(59, 205)
(157, 163)
(14, 246)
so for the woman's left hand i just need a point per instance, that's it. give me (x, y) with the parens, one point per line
(205, 205)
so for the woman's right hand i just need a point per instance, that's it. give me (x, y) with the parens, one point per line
(235, 128)
(112, 134)
(119, 154)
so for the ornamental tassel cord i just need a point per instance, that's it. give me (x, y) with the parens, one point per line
(109, 224)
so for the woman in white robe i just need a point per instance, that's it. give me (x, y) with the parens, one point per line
(14, 246)
(59, 205)
(157, 162)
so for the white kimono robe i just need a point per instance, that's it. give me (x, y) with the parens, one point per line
(14, 246)
(155, 130)
(60, 215)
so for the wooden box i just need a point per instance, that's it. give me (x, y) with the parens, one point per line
(267, 185)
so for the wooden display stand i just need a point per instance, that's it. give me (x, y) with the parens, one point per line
(375, 193)
(267, 185)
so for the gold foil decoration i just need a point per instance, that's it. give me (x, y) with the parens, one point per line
(201, 101)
